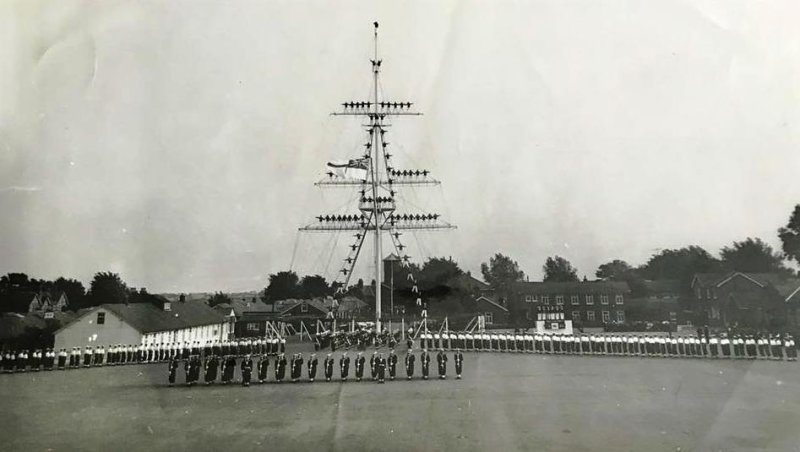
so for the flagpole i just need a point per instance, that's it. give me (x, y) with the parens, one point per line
(375, 162)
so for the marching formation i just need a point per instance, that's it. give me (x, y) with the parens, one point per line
(224, 368)
(772, 347)
(222, 358)
(88, 357)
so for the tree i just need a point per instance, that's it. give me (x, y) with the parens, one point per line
(501, 272)
(219, 298)
(282, 285)
(680, 264)
(752, 255)
(616, 270)
(72, 288)
(314, 286)
(790, 236)
(438, 271)
(558, 269)
(107, 287)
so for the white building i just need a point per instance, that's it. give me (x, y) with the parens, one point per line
(145, 323)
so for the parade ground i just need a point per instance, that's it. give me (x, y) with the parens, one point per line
(505, 402)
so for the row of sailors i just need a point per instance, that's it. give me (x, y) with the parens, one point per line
(214, 367)
(774, 347)
(11, 361)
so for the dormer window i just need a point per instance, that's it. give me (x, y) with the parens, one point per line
(167, 306)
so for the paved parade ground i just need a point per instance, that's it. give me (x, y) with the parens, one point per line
(505, 402)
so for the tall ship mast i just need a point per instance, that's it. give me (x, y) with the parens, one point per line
(379, 182)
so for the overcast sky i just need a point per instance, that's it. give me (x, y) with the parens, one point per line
(177, 142)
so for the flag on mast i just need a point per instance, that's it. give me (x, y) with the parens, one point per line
(350, 169)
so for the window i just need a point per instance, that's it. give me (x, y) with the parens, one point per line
(252, 326)
(546, 299)
(576, 316)
(574, 300)
(304, 307)
(708, 294)
(101, 318)
(528, 315)
(488, 318)
(528, 299)
(606, 316)
(590, 316)
(715, 313)
(673, 317)
(604, 299)
(48, 315)
(589, 299)
(618, 299)
(621, 316)
(560, 300)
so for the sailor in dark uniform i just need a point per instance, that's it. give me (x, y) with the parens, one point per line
(87, 356)
(373, 363)
(62, 359)
(392, 365)
(328, 364)
(312, 367)
(458, 359)
(172, 370)
(425, 362)
(228, 368)
(344, 366)
(22, 361)
(211, 367)
(299, 361)
(187, 369)
(409, 361)
(381, 368)
(790, 348)
(263, 368)
(776, 347)
(293, 367)
(49, 359)
(280, 368)
(441, 360)
(247, 370)
(36, 360)
(360, 360)
(9, 361)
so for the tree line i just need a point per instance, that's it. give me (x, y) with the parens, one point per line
(18, 289)
(751, 255)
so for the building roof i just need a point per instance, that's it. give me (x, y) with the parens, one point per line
(149, 318)
(719, 279)
(486, 299)
(575, 287)
(240, 306)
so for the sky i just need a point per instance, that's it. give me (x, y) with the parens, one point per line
(177, 143)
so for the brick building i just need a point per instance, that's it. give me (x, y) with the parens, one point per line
(747, 300)
(586, 303)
